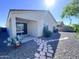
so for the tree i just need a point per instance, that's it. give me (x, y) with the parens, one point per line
(70, 10)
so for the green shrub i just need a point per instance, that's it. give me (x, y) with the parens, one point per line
(76, 27)
(77, 36)
(46, 32)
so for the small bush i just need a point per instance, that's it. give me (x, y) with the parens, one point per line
(13, 41)
(76, 27)
(55, 30)
(46, 32)
(77, 36)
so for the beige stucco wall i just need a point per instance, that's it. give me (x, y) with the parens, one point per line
(31, 26)
(30, 15)
(50, 21)
(35, 20)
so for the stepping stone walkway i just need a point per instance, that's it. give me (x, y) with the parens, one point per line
(28, 58)
(44, 51)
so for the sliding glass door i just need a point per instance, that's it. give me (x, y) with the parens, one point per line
(21, 28)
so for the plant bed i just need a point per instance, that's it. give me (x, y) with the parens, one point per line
(46, 32)
(17, 46)
(14, 42)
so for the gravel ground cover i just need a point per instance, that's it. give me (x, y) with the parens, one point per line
(63, 49)
(27, 50)
(66, 49)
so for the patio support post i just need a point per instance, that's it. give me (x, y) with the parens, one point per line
(13, 21)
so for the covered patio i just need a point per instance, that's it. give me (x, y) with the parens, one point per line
(26, 27)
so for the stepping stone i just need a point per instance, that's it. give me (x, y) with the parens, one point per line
(39, 49)
(37, 55)
(9, 39)
(50, 51)
(45, 45)
(52, 40)
(38, 43)
(43, 41)
(41, 45)
(27, 58)
(50, 47)
(42, 57)
(49, 58)
(49, 54)
(8, 44)
(42, 53)
(36, 58)
(39, 40)
(45, 50)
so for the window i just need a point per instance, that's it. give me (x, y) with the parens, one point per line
(19, 28)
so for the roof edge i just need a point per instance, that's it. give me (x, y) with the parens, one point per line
(26, 10)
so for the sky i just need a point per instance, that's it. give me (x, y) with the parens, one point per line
(56, 9)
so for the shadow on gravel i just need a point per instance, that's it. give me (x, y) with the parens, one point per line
(3, 36)
(54, 44)
(54, 36)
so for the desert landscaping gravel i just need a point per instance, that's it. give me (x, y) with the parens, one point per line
(62, 49)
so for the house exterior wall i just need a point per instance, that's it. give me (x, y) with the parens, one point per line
(49, 21)
(11, 26)
(31, 26)
(30, 15)
(35, 26)
(40, 25)
(35, 21)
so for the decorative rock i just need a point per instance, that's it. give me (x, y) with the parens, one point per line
(52, 40)
(39, 49)
(49, 54)
(17, 42)
(36, 58)
(9, 39)
(45, 46)
(42, 53)
(9, 44)
(49, 58)
(27, 58)
(45, 50)
(42, 57)
(19, 37)
(43, 41)
(49, 45)
(5, 41)
(50, 51)
(40, 40)
(38, 43)
(50, 48)
(37, 55)
(41, 46)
